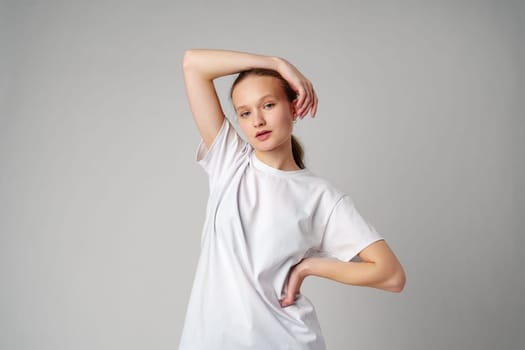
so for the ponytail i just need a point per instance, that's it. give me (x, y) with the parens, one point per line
(298, 152)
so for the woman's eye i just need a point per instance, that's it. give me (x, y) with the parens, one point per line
(244, 114)
(269, 105)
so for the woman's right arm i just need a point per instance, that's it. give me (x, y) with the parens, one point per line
(202, 66)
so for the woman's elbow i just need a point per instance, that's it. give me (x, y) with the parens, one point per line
(187, 59)
(397, 281)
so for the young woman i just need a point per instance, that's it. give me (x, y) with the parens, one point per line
(270, 222)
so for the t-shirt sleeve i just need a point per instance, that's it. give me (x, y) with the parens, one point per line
(347, 233)
(226, 150)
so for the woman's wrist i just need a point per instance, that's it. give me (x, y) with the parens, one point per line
(307, 267)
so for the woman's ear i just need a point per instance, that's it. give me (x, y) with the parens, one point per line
(293, 106)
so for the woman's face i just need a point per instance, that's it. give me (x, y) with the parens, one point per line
(261, 105)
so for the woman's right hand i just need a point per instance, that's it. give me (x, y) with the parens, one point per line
(306, 97)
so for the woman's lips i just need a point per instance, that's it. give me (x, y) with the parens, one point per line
(263, 136)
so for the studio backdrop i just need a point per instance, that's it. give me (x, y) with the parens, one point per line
(420, 121)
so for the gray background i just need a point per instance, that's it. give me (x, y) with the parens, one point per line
(102, 204)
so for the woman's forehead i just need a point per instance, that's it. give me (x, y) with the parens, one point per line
(253, 88)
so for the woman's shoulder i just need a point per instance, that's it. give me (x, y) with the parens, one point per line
(322, 185)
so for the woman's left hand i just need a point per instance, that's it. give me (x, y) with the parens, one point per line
(296, 276)
(306, 100)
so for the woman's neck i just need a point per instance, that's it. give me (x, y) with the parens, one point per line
(278, 159)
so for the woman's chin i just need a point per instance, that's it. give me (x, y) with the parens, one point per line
(263, 149)
(267, 146)
(263, 146)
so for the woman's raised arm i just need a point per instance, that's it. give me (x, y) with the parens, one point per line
(202, 66)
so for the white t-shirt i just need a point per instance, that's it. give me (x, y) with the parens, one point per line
(260, 222)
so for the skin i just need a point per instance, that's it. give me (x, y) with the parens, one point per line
(379, 269)
(260, 104)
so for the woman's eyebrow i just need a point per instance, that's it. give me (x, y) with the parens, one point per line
(259, 100)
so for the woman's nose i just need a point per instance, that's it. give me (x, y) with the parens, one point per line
(258, 119)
